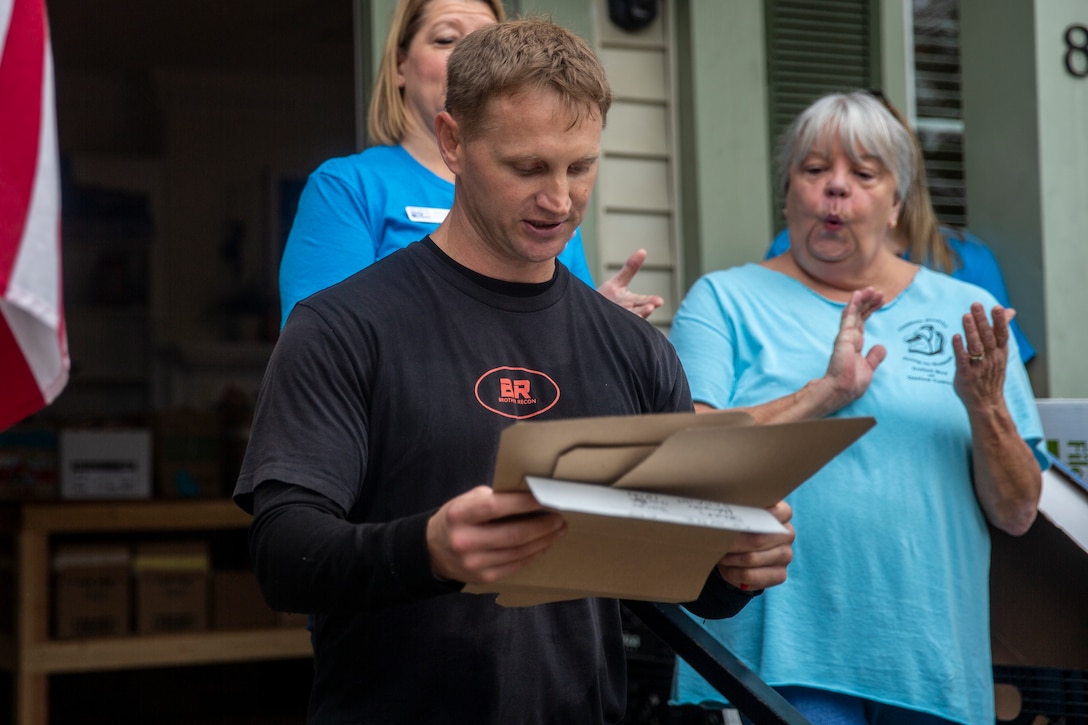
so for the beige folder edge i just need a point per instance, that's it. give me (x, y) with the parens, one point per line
(719, 457)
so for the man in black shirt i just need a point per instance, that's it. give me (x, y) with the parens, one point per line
(379, 418)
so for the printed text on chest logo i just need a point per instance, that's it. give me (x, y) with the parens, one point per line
(515, 392)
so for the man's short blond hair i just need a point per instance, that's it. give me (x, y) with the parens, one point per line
(524, 55)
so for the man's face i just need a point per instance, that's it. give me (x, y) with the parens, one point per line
(523, 185)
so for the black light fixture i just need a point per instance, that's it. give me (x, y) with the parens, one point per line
(632, 14)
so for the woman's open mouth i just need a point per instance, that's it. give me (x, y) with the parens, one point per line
(833, 222)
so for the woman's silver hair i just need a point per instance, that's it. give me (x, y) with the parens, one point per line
(862, 124)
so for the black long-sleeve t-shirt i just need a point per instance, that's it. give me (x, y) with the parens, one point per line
(385, 397)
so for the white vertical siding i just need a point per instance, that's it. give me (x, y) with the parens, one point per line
(637, 187)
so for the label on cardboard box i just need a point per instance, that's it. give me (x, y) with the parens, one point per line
(105, 464)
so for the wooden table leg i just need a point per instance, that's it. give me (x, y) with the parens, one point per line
(31, 688)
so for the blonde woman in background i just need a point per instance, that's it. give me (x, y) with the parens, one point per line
(357, 209)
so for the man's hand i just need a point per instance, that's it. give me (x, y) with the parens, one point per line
(615, 288)
(758, 561)
(482, 536)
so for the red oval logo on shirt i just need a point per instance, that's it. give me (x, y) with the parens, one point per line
(516, 392)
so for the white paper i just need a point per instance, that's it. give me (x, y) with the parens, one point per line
(605, 501)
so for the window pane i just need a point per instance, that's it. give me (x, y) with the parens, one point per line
(939, 110)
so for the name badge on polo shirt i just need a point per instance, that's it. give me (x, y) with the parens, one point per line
(426, 214)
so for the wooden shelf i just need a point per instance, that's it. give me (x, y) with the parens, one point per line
(32, 656)
(121, 653)
(120, 516)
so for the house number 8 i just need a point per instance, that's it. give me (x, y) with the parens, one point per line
(1076, 49)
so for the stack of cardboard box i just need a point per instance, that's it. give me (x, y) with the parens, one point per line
(92, 584)
(1039, 585)
(171, 587)
(160, 587)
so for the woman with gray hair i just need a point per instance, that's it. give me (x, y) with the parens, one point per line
(885, 616)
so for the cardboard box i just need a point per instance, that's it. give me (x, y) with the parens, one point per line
(188, 454)
(91, 590)
(652, 502)
(171, 587)
(1039, 583)
(1065, 424)
(237, 602)
(100, 464)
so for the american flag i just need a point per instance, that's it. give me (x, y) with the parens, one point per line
(33, 343)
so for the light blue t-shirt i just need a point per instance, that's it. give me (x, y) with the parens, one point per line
(357, 209)
(887, 597)
(977, 266)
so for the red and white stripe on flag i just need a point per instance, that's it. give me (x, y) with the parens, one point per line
(33, 343)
